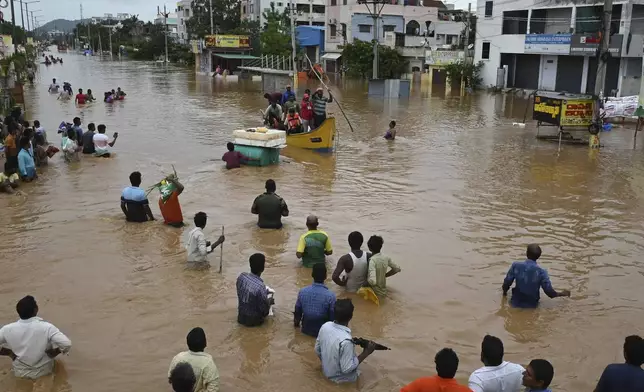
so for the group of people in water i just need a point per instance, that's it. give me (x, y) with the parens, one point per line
(285, 113)
(319, 314)
(81, 97)
(49, 60)
(32, 343)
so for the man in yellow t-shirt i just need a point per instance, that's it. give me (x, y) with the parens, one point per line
(380, 267)
(314, 245)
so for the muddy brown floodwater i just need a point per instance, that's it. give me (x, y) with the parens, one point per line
(456, 197)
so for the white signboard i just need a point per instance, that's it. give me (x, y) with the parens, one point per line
(443, 57)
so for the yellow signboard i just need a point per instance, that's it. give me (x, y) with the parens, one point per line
(6, 44)
(194, 45)
(577, 112)
(227, 41)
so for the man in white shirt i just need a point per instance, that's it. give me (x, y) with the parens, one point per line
(102, 142)
(205, 370)
(497, 375)
(53, 88)
(335, 348)
(198, 248)
(31, 342)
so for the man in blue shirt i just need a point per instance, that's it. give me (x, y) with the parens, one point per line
(254, 303)
(629, 376)
(530, 278)
(287, 94)
(134, 201)
(315, 303)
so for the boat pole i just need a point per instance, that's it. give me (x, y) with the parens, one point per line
(221, 252)
(327, 87)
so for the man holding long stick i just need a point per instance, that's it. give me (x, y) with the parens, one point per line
(198, 248)
(319, 106)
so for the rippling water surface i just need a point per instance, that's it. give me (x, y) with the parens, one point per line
(456, 198)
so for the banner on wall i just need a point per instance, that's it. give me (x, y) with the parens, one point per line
(227, 41)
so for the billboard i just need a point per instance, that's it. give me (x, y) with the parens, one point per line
(546, 109)
(227, 41)
(587, 44)
(577, 112)
(443, 57)
(547, 43)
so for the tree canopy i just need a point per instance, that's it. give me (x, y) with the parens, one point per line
(358, 60)
(276, 35)
(226, 18)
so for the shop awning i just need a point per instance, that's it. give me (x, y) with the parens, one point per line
(331, 56)
(234, 56)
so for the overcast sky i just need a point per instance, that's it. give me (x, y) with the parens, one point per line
(146, 9)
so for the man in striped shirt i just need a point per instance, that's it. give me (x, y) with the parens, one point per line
(319, 106)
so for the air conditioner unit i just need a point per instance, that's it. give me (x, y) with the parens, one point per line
(333, 21)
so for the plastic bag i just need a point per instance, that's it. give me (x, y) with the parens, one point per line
(368, 294)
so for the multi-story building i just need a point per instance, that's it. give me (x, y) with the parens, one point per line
(173, 27)
(411, 26)
(184, 12)
(308, 12)
(552, 45)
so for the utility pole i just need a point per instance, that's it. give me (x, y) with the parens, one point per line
(600, 79)
(212, 23)
(603, 48)
(27, 11)
(81, 22)
(466, 44)
(377, 6)
(294, 54)
(13, 28)
(22, 16)
(165, 18)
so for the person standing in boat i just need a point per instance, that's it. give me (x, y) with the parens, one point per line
(287, 95)
(319, 106)
(306, 112)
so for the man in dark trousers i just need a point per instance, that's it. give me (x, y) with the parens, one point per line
(270, 207)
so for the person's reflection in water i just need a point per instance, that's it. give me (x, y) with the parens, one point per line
(526, 325)
(254, 347)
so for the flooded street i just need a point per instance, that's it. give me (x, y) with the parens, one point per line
(457, 197)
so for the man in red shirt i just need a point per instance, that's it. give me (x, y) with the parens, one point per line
(233, 158)
(80, 97)
(446, 365)
(306, 112)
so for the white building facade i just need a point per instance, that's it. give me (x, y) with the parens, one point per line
(552, 45)
(414, 27)
(308, 12)
(184, 12)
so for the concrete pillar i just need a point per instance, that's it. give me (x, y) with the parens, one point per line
(573, 18)
(623, 63)
(584, 74)
(529, 17)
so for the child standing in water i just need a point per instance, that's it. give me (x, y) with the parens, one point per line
(391, 132)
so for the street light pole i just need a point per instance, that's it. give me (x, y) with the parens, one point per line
(165, 17)
(27, 12)
(22, 16)
(212, 23)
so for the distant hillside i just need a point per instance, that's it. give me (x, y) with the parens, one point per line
(59, 24)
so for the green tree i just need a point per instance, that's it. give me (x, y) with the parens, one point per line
(471, 73)
(358, 60)
(276, 35)
(252, 29)
(226, 17)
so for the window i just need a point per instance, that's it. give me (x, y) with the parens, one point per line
(448, 39)
(364, 28)
(334, 2)
(488, 9)
(344, 30)
(485, 52)
(333, 30)
(318, 9)
(244, 9)
(280, 4)
(186, 13)
(251, 8)
(387, 28)
(344, 2)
